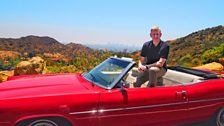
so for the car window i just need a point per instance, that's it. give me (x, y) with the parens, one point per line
(105, 73)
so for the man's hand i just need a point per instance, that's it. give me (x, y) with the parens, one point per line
(141, 68)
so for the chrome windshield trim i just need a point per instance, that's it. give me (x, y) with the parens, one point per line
(141, 107)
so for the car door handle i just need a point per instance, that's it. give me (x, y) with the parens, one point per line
(181, 93)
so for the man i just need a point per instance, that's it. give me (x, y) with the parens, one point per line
(152, 64)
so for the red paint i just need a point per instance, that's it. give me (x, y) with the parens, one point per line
(26, 97)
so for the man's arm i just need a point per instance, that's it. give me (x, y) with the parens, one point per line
(141, 61)
(141, 67)
(159, 63)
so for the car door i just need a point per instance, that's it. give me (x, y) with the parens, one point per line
(205, 99)
(142, 106)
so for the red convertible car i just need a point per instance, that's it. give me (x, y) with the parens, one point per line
(105, 96)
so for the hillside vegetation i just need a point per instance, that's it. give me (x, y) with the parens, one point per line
(60, 58)
(198, 48)
(195, 49)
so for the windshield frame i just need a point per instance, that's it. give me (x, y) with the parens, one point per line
(121, 75)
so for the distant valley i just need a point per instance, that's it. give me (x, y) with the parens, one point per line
(116, 47)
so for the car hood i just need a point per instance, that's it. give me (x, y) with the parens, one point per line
(44, 85)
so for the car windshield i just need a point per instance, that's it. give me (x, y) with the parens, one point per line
(107, 72)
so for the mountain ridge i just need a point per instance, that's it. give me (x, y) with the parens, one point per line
(39, 45)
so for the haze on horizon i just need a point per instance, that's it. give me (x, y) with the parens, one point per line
(99, 21)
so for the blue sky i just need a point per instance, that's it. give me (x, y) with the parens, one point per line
(107, 21)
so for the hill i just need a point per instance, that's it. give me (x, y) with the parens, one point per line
(30, 44)
(198, 47)
(55, 53)
(40, 45)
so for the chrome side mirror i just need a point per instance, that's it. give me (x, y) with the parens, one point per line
(122, 85)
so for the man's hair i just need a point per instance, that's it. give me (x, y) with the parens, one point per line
(155, 28)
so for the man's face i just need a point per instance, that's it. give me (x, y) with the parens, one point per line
(155, 35)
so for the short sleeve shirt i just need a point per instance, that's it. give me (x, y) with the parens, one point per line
(154, 53)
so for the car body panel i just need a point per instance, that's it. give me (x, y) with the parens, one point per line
(143, 106)
(80, 99)
(205, 98)
(60, 94)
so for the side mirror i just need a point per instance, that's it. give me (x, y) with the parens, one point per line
(122, 85)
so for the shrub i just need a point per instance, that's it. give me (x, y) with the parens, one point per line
(213, 54)
(185, 60)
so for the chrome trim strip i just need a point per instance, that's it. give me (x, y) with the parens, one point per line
(121, 109)
(196, 101)
(83, 112)
(141, 107)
